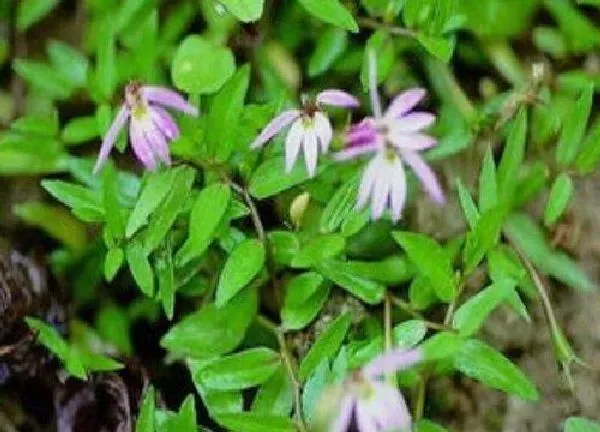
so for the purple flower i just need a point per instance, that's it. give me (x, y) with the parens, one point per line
(395, 137)
(370, 400)
(310, 128)
(150, 125)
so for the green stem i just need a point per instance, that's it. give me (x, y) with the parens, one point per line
(289, 367)
(446, 85)
(505, 61)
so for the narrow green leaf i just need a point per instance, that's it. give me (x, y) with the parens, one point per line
(208, 212)
(431, 261)
(560, 195)
(483, 237)
(243, 264)
(270, 178)
(166, 280)
(332, 12)
(352, 280)
(318, 249)
(488, 188)
(245, 10)
(486, 365)
(275, 396)
(326, 345)
(331, 44)
(468, 205)
(424, 425)
(313, 390)
(438, 46)
(512, 157)
(225, 110)
(80, 129)
(252, 422)
(113, 262)
(184, 420)
(72, 64)
(574, 126)
(30, 12)
(140, 268)
(409, 333)
(145, 420)
(339, 206)
(589, 156)
(44, 78)
(106, 61)
(85, 203)
(211, 331)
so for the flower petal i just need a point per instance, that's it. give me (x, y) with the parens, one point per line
(391, 410)
(412, 141)
(168, 98)
(158, 143)
(404, 102)
(425, 174)
(364, 418)
(381, 190)
(342, 421)
(398, 192)
(413, 122)
(111, 136)
(323, 130)
(141, 146)
(335, 97)
(165, 122)
(353, 152)
(274, 127)
(392, 361)
(311, 151)
(293, 141)
(367, 182)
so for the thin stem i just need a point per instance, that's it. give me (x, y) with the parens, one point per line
(289, 367)
(397, 31)
(375, 102)
(387, 322)
(420, 401)
(256, 221)
(405, 306)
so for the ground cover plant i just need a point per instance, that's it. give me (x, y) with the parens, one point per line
(299, 215)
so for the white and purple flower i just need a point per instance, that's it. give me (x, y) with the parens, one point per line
(310, 128)
(371, 402)
(395, 138)
(151, 127)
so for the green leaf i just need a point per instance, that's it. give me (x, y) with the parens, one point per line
(318, 249)
(80, 129)
(156, 188)
(486, 365)
(527, 236)
(270, 178)
(284, 246)
(409, 333)
(241, 370)
(574, 126)
(588, 157)
(225, 110)
(424, 425)
(331, 44)
(166, 279)
(113, 262)
(442, 345)
(326, 345)
(245, 10)
(140, 268)
(184, 420)
(304, 298)
(106, 61)
(113, 210)
(145, 420)
(512, 157)
(468, 205)
(84, 203)
(46, 126)
(339, 206)
(72, 64)
(113, 324)
(201, 66)
(211, 331)
(483, 237)
(391, 271)
(252, 422)
(313, 389)
(275, 396)
(560, 195)
(580, 424)
(469, 318)
(352, 280)
(243, 264)
(207, 213)
(166, 213)
(49, 337)
(55, 221)
(30, 12)
(431, 261)
(438, 46)
(488, 189)
(332, 12)
(44, 78)
(216, 401)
